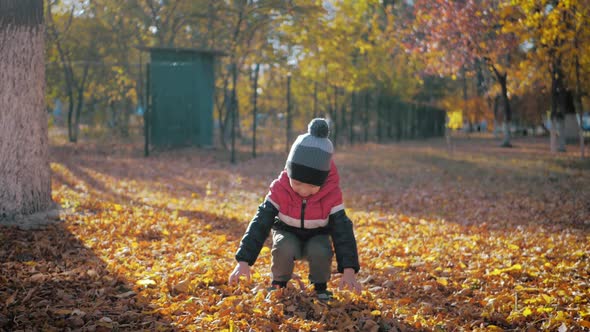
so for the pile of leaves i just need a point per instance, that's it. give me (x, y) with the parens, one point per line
(481, 239)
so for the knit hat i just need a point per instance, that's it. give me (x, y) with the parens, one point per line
(311, 154)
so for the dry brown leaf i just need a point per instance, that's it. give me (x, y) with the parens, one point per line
(446, 243)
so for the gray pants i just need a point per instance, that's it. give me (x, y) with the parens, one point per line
(287, 247)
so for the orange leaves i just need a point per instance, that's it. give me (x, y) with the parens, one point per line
(147, 244)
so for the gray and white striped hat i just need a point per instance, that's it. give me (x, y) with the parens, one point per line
(311, 154)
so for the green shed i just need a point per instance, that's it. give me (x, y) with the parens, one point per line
(180, 94)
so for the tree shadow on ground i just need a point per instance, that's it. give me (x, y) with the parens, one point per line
(51, 281)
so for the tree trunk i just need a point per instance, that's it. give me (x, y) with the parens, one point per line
(579, 108)
(255, 108)
(80, 102)
(496, 116)
(288, 117)
(379, 117)
(502, 78)
(353, 108)
(126, 113)
(558, 108)
(234, 108)
(389, 115)
(72, 137)
(343, 123)
(68, 75)
(25, 178)
(224, 114)
(465, 110)
(335, 130)
(315, 100)
(366, 117)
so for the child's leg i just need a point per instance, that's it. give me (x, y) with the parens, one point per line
(318, 252)
(286, 248)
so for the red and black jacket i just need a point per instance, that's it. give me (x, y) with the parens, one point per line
(321, 213)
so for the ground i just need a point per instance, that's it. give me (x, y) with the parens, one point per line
(474, 238)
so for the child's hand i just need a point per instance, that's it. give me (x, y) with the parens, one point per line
(348, 280)
(241, 269)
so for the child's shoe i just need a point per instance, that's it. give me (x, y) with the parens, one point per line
(276, 285)
(324, 295)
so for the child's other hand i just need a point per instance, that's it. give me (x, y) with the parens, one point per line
(348, 280)
(241, 269)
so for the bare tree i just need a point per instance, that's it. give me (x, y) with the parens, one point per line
(75, 85)
(25, 184)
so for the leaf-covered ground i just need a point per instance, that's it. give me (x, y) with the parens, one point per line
(483, 239)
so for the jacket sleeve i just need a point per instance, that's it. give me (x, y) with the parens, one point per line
(256, 233)
(344, 241)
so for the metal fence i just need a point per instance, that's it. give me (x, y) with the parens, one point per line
(268, 120)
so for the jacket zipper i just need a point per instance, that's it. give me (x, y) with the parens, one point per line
(303, 213)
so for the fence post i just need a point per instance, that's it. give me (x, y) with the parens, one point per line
(147, 112)
(315, 100)
(288, 118)
(255, 109)
(366, 118)
(234, 103)
(353, 103)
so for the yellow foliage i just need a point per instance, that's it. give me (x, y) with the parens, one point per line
(155, 247)
(455, 119)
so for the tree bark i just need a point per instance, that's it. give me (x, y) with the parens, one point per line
(353, 109)
(255, 108)
(502, 79)
(335, 130)
(579, 110)
(507, 111)
(223, 111)
(70, 79)
(558, 101)
(288, 117)
(379, 116)
(25, 178)
(578, 93)
(366, 117)
(315, 100)
(234, 109)
(496, 107)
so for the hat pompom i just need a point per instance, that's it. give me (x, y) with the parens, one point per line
(319, 128)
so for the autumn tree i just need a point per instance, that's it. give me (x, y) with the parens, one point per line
(24, 166)
(557, 40)
(247, 32)
(455, 35)
(77, 40)
(351, 52)
(346, 58)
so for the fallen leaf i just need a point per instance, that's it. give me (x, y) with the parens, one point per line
(11, 299)
(182, 287)
(125, 295)
(146, 282)
(38, 278)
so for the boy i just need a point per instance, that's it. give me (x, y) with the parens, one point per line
(304, 210)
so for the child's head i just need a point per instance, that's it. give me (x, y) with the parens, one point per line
(308, 163)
